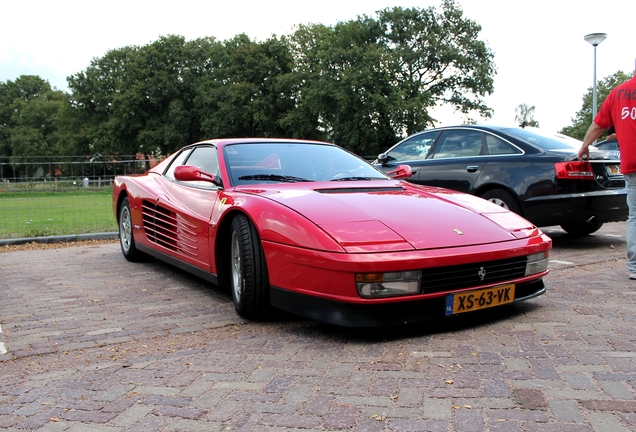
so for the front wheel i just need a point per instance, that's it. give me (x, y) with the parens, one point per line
(581, 229)
(126, 238)
(249, 278)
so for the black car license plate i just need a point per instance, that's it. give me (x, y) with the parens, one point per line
(613, 170)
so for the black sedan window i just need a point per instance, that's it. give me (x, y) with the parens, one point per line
(611, 145)
(415, 148)
(497, 146)
(459, 143)
(546, 141)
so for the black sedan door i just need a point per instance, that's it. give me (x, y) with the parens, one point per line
(455, 161)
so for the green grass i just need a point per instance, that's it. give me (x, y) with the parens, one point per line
(36, 214)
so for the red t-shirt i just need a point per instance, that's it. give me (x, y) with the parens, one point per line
(619, 110)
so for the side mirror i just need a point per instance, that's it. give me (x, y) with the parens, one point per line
(192, 173)
(401, 172)
(383, 158)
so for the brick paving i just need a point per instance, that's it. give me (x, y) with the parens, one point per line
(94, 343)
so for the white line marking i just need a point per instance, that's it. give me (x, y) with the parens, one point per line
(561, 262)
(3, 350)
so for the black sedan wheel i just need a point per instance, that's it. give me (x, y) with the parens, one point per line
(581, 229)
(126, 239)
(250, 285)
(502, 198)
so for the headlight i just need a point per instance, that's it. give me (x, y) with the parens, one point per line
(537, 263)
(371, 285)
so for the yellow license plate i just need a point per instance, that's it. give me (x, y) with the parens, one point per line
(613, 169)
(479, 299)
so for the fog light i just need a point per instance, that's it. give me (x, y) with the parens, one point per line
(537, 263)
(372, 285)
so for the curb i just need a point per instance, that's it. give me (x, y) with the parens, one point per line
(61, 239)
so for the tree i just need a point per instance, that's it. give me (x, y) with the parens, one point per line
(436, 57)
(95, 100)
(140, 99)
(246, 95)
(365, 83)
(583, 118)
(524, 116)
(341, 88)
(29, 110)
(7, 95)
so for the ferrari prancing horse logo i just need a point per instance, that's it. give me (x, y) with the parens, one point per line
(481, 273)
(222, 203)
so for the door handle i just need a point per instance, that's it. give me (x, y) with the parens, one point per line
(472, 168)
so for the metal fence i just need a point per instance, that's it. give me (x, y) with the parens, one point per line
(38, 172)
(72, 195)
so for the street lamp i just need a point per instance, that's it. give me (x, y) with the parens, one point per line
(595, 39)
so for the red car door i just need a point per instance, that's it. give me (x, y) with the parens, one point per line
(184, 212)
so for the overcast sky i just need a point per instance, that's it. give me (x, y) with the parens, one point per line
(541, 57)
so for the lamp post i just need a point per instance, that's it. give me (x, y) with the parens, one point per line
(595, 39)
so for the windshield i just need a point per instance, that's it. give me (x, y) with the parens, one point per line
(545, 140)
(249, 163)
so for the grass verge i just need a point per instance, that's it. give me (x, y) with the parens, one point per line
(37, 214)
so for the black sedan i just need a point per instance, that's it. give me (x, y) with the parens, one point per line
(534, 174)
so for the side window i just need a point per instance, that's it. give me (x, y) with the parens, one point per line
(204, 158)
(178, 160)
(497, 146)
(415, 148)
(459, 143)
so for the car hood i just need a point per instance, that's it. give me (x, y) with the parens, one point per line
(370, 216)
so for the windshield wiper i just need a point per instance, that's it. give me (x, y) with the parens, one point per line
(274, 177)
(352, 178)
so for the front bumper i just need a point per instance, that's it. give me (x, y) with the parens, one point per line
(377, 314)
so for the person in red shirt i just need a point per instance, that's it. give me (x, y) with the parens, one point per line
(619, 110)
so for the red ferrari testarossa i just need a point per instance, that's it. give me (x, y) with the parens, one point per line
(311, 228)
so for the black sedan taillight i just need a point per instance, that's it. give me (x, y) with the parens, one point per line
(574, 170)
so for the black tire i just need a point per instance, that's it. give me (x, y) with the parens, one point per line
(248, 270)
(581, 229)
(503, 198)
(126, 238)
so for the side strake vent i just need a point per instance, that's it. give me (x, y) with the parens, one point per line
(167, 229)
(359, 190)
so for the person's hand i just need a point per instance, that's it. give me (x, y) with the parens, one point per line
(584, 153)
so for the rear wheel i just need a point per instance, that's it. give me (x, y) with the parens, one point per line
(581, 229)
(249, 279)
(126, 238)
(503, 198)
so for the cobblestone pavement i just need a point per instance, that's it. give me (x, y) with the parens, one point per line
(91, 342)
